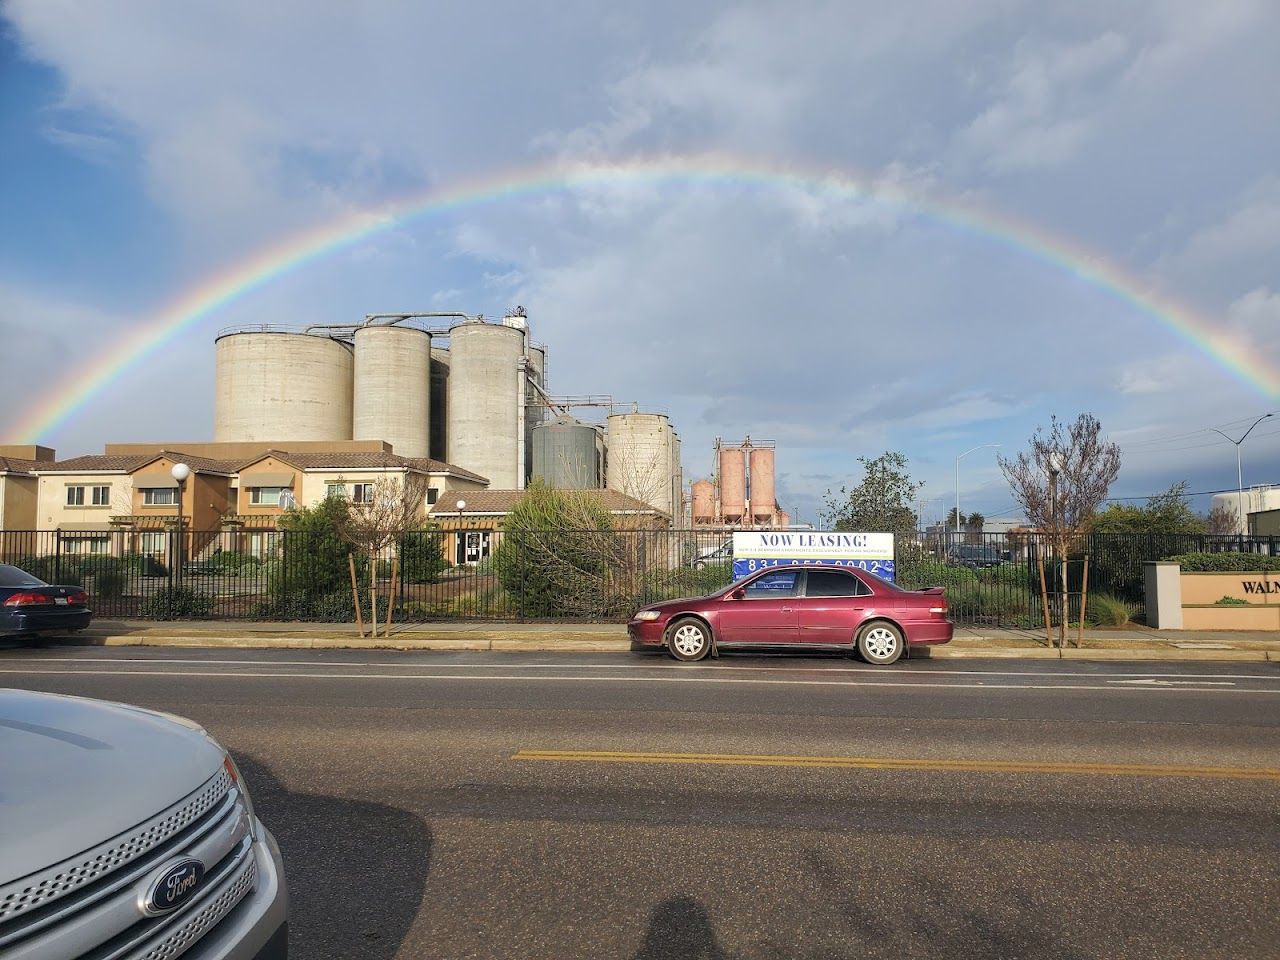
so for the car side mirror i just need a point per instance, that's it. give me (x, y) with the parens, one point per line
(738, 594)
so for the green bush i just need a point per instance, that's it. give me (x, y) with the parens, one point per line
(1231, 602)
(231, 561)
(336, 607)
(110, 584)
(686, 581)
(1108, 610)
(422, 557)
(972, 601)
(932, 574)
(177, 603)
(1229, 562)
(63, 571)
(1010, 574)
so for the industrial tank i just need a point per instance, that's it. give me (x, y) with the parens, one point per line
(763, 492)
(1239, 504)
(784, 519)
(704, 501)
(642, 460)
(535, 411)
(393, 388)
(274, 386)
(566, 454)
(485, 399)
(733, 483)
(439, 403)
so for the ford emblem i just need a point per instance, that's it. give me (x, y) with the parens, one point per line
(172, 886)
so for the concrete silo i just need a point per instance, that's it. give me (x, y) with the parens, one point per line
(272, 386)
(439, 403)
(535, 410)
(704, 502)
(764, 494)
(566, 454)
(642, 460)
(733, 484)
(393, 388)
(486, 402)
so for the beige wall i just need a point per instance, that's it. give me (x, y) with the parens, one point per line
(246, 480)
(17, 502)
(1202, 591)
(315, 482)
(51, 505)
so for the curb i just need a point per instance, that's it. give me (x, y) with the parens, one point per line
(597, 645)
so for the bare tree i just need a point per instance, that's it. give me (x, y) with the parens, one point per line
(397, 507)
(1061, 481)
(1222, 520)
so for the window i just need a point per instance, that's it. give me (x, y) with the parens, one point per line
(433, 495)
(83, 546)
(159, 496)
(75, 496)
(829, 583)
(102, 496)
(335, 491)
(780, 584)
(265, 496)
(363, 493)
(152, 543)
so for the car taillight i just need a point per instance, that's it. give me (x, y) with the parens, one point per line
(80, 599)
(26, 600)
(941, 610)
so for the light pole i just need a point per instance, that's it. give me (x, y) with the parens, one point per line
(981, 446)
(1244, 520)
(459, 538)
(180, 472)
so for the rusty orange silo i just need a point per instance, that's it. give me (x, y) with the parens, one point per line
(763, 495)
(733, 484)
(784, 519)
(704, 501)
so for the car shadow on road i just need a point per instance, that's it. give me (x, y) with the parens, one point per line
(680, 929)
(325, 842)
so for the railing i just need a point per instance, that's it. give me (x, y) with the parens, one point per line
(252, 574)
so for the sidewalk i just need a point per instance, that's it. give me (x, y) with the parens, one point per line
(1135, 643)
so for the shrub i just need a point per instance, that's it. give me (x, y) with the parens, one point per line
(231, 561)
(1231, 602)
(933, 574)
(313, 561)
(422, 557)
(1010, 574)
(110, 584)
(1108, 610)
(984, 601)
(177, 603)
(336, 607)
(1228, 562)
(686, 581)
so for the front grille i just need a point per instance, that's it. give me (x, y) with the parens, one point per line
(208, 916)
(46, 886)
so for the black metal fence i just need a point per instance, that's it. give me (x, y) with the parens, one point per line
(991, 579)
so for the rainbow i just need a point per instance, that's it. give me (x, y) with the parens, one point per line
(67, 397)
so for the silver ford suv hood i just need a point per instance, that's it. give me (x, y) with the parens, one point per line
(76, 772)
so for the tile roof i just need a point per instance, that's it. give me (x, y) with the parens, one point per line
(338, 459)
(485, 502)
(439, 466)
(129, 462)
(14, 465)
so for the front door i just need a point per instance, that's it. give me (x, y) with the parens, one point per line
(833, 605)
(767, 611)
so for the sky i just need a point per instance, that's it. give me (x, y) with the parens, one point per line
(147, 146)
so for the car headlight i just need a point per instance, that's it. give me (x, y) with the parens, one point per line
(648, 615)
(238, 780)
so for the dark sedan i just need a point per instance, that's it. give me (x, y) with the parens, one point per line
(810, 607)
(29, 607)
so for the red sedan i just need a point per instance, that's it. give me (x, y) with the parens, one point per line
(813, 606)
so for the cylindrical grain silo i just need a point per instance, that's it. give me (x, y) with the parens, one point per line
(485, 398)
(439, 403)
(535, 410)
(784, 519)
(704, 502)
(274, 386)
(566, 454)
(639, 462)
(763, 491)
(733, 484)
(393, 388)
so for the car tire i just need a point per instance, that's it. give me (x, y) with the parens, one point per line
(689, 640)
(880, 643)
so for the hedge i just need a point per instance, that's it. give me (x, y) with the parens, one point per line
(1229, 562)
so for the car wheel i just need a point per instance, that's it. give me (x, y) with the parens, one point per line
(689, 640)
(880, 643)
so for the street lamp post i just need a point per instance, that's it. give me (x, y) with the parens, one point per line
(1244, 521)
(180, 473)
(981, 446)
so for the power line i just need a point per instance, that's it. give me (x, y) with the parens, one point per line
(1185, 436)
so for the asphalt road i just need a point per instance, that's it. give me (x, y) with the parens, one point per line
(505, 805)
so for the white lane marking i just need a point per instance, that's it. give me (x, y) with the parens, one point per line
(616, 679)
(1171, 683)
(774, 664)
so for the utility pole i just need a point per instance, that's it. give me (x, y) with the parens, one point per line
(959, 521)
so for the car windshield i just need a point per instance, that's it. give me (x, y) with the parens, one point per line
(16, 577)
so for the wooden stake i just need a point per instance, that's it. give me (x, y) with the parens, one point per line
(355, 593)
(373, 596)
(1084, 599)
(391, 601)
(1044, 599)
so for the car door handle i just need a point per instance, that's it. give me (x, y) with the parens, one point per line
(787, 610)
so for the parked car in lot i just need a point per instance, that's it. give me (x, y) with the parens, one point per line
(29, 607)
(798, 607)
(978, 556)
(716, 555)
(126, 833)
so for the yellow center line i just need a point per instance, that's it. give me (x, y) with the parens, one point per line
(905, 763)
